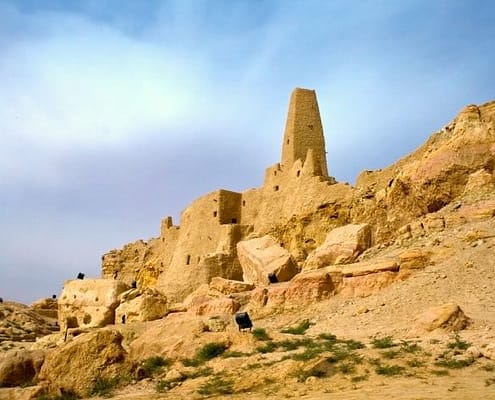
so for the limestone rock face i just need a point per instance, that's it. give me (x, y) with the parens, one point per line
(342, 245)
(89, 302)
(263, 256)
(47, 307)
(447, 316)
(18, 367)
(146, 306)
(74, 366)
(21, 323)
(228, 286)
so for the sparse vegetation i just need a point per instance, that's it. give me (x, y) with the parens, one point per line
(268, 347)
(260, 334)
(458, 343)
(391, 354)
(208, 352)
(359, 378)
(389, 370)
(347, 368)
(383, 343)
(440, 372)
(299, 329)
(407, 347)
(104, 386)
(154, 365)
(488, 367)
(216, 385)
(415, 363)
(301, 375)
(234, 354)
(205, 371)
(163, 386)
(452, 363)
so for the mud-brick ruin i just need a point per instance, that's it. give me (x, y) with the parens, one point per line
(204, 245)
(302, 236)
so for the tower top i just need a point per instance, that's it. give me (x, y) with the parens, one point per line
(304, 132)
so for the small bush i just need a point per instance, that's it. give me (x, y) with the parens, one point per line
(298, 329)
(359, 378)
(329, 337)
(162, 386)
(269, 347)
(415, 363)
(389, 370)
(205, 371)
(234, 354)
(153, 365)
(353, 344)
(308, 354)
(458, 343)
(410, 347)
(260, 334)
(391, 354)
(301, 375)
(383, 343)
(216, 385)
(104, 386)
(440, 372)
(208, 352)
(488, 367)
(453, 363)
(347, 368)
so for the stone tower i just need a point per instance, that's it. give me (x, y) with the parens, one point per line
(304, 133)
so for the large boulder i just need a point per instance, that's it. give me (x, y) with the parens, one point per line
(342, 246)
(20, 367)
(89, 302)
(263, 257)
(146, 306)
(74, 367)
(224, 286)
(449, 317)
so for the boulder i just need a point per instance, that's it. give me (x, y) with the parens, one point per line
(20, 367)
(413, 259)
(228, 286)
(214, 306)
(262, 257)
(89, 302)
(73, 367)
(147, 306)
(342, 246)
(448, 316)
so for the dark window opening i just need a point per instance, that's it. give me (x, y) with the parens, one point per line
(276, 188)
(287, 141)
(298, 174)
(274, 172)
(214, 213)
(188, 260)
(243, 203)
(234, 220)
(272, 278)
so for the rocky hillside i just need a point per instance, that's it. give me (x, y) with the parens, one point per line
(385, 289)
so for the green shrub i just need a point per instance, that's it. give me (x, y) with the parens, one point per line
(308, 354)
(301, 375)
(415, 363)
(410, 347)
(260, 334)
(153, 365)
(298, 329)
(458, 343)
(453, 363)
(383, 343)
(234, 354)
(104, 386)
(353, 344)
(162, 386)
(205, 371)
(329, 337)
(268, 347)
(208, 352)
(347, 368)
(391, 354)
(389, 370)
(216, 385)
(440, 372)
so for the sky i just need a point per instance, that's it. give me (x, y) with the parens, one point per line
(115, 114)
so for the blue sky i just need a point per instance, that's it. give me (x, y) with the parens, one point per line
(114, 114)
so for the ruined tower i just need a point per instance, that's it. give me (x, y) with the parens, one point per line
(304, 133)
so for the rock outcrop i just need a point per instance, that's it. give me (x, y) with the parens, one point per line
(263, 260)
(89, 302)
(448, 316)
(342, 246)
(74, 366)
(136, 306)
(20, 367)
